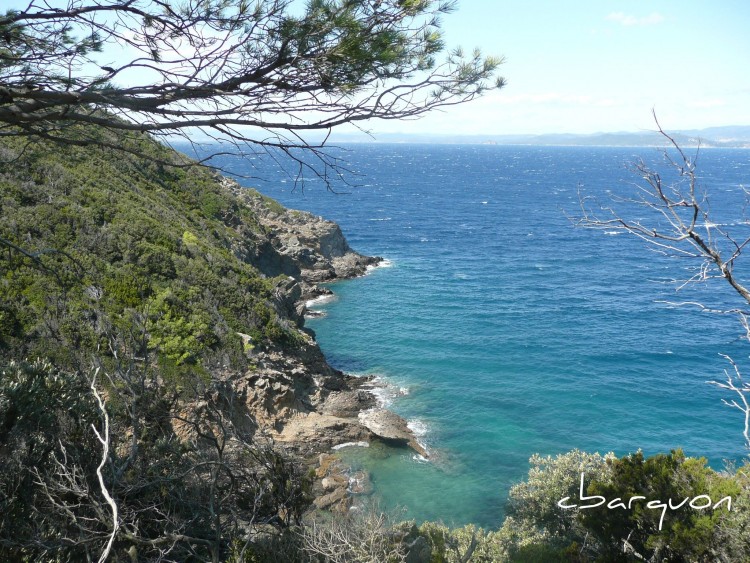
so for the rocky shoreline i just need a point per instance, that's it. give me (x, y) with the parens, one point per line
(293, 395)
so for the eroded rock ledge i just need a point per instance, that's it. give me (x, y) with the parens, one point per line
(299, 244)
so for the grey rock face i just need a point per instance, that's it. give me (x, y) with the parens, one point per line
(297, 243)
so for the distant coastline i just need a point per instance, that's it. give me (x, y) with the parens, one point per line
(733, 136)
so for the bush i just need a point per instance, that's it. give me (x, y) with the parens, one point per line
(618, 530)
(186, 484)
(660, 531)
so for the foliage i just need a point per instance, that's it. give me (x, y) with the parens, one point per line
(256, 74)
(460, 545)
(618, 530)
(686, 534)
(534, 514)
(115, 263)
(45, 416)
(185, 487)
(365, 534)
(126, 239)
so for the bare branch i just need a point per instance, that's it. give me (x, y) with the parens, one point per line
(104, 441)
(741, 388)
(680, 225)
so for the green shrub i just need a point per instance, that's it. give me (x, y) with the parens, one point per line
(538, 528)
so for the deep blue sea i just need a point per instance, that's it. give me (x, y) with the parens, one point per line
(504, 330)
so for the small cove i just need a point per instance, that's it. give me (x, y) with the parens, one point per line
(504, 331)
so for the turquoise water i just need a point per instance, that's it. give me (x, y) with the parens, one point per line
(502, 330)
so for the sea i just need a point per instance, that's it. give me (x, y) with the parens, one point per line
(500, 328)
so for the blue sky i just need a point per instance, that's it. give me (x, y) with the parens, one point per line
(589, 66)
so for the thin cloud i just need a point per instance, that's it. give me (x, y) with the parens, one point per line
(629, 20)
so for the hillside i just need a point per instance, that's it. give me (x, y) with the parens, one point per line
(161, 398)
(187, 294)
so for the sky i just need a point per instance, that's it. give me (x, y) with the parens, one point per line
(601, 66)
(587, 66)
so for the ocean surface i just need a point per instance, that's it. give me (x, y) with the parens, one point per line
(501, 329)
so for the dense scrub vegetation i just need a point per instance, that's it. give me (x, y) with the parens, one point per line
(124, 269)
(538, 529)
(122, 293)
(126, 244)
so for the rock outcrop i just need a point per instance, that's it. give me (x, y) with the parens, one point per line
(292, 394)
(297, 243)
(391, 428)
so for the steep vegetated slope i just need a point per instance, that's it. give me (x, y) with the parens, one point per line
(183, 295)
(117, 258)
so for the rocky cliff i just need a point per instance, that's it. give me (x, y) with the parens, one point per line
(292, 393)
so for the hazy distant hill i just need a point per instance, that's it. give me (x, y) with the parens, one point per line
(729, 136)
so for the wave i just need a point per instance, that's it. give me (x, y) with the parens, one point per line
(417, 426)
(320, 300)
(385, 392)
(384, 263)
(585, 318)
(420, 429)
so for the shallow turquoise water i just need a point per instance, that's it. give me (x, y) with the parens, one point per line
(502, 330)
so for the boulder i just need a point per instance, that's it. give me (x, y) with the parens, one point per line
(335, 482)
(391, 428)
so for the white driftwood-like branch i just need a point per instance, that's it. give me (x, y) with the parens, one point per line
(104, 440)
(735, 383)
(678, 223)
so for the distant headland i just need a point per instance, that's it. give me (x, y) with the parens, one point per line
(731, 136)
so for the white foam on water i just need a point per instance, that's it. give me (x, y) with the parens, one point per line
(385, 392)
(382, 395)
(418, 427)
(351, 445)
(385, 263)
(310, 303)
